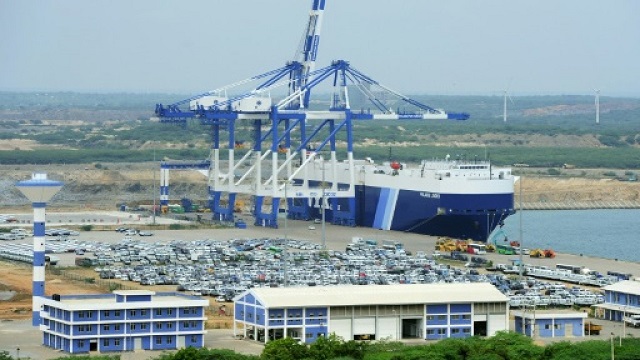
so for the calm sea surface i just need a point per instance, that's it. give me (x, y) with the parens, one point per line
(612, 234)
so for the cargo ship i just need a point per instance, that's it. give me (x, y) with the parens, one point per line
(454, 198)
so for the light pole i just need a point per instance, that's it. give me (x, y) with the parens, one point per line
(286, 240)
(613, 356)
(521, 269)
(153, 209)
(38, 190)
(322, 210)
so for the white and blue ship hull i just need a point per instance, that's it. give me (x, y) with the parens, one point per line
(447, 200)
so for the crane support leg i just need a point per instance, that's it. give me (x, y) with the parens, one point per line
(219, 211)
(265, 219)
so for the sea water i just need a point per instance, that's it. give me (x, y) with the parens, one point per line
(611, 234)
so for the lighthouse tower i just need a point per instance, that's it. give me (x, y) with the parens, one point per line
(38, 190)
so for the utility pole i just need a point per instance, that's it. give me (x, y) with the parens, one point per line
(323, 226)
(286, 240)
(521, 269)
(153, 209)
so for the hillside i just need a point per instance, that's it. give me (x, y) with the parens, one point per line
(89, 188)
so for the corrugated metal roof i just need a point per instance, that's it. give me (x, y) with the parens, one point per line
(378, 295)
(626, 286)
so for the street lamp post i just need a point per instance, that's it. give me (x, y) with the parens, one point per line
(613, 356)
(521, 268)
(286, 240)
(322, 210)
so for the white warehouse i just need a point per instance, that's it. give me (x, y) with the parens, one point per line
(393, 312)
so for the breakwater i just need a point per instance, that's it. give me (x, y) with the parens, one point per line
(578, 205)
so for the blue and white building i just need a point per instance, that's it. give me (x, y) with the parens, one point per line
(123, 321)
(393, 312)
(544, 324)
(620, 300)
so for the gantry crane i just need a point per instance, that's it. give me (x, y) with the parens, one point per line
(288, 136)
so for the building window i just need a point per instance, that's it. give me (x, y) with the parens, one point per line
(116, 313)
(116, 327)
(430, 331)
(158, 326)
(143, 326)
(132, 313)
(312, 314)
(455, 331)
(116, 342)
(442, 331)
(466, 317)
(105, 342)
(81, 343)
(158, 340)
(455, 317)
(271, 316)
(170, 325)
(143, 312)
(169, 340)
(194, 339)
(132, 327)
(309, 335)
(158, 312)
(430, 317)
(185, 324)
(90, 314)
(105, 327)
(466, 331)
(106, 313)
(258, 317)
(556, 326)
(442, 317)
(80, 314)
(547, 326)
(169, 311)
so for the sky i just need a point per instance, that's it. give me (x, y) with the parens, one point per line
(448, 47)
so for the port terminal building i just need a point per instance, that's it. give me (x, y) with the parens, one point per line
(390, 312)
(544, 324)
(620, 299)
(125, 320)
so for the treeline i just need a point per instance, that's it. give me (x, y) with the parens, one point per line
(502, 346)
(616, 158)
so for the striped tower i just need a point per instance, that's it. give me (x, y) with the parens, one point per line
(38, 190)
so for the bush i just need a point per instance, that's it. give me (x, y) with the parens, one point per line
(86, 227)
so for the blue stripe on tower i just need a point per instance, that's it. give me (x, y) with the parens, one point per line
(38, 288)
(38, 228)
(38, 258)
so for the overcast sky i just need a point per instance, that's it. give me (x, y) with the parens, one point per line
(414, 46)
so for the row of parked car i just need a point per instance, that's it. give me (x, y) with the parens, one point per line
(133, 232)
(226, 268)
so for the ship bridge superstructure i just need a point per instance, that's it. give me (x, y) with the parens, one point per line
(290, 132)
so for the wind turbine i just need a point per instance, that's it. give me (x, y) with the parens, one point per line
(597, 91)
(504, 110)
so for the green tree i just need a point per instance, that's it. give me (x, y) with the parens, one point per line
(284, 349)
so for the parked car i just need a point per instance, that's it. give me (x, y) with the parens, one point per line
(145, 233)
